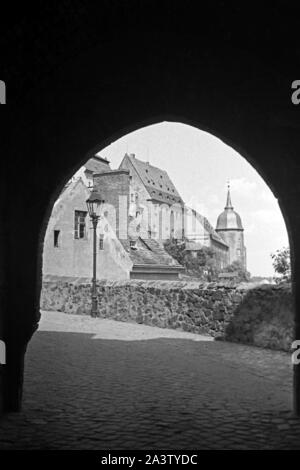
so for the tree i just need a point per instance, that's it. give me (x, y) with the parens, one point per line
(282, 264)
(203, 265)
(176, 249)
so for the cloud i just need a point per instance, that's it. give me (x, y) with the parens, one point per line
(250, 228)
(242, 186)
(214, 200)
(267, 216)
(267, 196)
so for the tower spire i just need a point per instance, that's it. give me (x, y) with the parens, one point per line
(228, 202)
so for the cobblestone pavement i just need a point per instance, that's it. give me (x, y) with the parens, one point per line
(101, 384)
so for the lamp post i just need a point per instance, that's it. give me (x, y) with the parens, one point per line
(94, 203)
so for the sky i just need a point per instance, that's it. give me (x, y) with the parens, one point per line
(200, 164)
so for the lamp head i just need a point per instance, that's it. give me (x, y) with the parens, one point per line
(94, 203)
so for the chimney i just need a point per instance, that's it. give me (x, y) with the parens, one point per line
(132, 155)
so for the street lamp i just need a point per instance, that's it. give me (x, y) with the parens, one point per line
(94, 203)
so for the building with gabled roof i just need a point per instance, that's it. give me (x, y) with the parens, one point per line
(154, 194)
(160, 188)
(68, 243)
(142, 209)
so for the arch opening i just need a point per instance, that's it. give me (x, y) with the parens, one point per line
(171, 166)
(250, 190)
(193, 306)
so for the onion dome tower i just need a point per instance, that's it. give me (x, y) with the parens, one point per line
(230, 228)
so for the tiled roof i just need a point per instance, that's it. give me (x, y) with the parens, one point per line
(157, 182)
(229, 219)
(207, 225)
(149, 252)
(97, 165)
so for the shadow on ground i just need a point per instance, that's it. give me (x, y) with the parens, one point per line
(87, 393)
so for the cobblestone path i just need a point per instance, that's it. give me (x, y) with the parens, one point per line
(101, 384)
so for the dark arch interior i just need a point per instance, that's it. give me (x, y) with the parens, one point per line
(107, 88)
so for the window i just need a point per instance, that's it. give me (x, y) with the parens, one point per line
(80, 224)
(56, 238)
(101, 238)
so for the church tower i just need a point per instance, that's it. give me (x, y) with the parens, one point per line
(229, 227)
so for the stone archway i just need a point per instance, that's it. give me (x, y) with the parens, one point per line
(88, 101)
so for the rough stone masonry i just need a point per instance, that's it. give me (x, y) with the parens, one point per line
(258, 315)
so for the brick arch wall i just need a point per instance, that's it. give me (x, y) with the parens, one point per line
(114, 86)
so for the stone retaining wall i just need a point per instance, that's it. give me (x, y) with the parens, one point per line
(259, 315)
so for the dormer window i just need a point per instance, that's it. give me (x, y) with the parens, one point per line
(132, 244)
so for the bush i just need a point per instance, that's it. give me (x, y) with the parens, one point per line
(282, 265)
(203, 265)
(242, 274)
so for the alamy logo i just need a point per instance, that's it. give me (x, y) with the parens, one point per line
(2, 92)
(296, 354)
(296, 94)
(2, 353)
